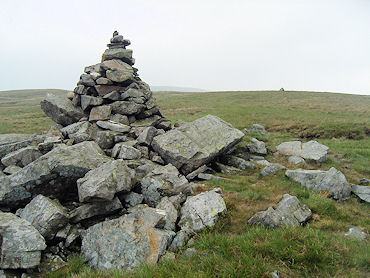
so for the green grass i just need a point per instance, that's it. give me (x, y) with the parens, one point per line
(233, 248)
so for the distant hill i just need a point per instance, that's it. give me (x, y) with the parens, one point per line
(175, 89)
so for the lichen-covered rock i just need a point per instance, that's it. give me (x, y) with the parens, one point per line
(132, 199)
(196, 143)
(61, 110)
(128, 241)
(180, 239)
(171, 213)
(102, 183)
(237, 162)
(125, 55)
(21, 157)
(113, 126)
(20, 243)
(118, 71)
(13, 142)
(163, 181)
(332, 180)
(53, 174)
(296, 160)
(89, 101)
(147, 135)
(311, 150)
(361, 191)
(272, 169)
(289, 212)
(257, 146)
(259, 129)
(46, 215)
(202, 210)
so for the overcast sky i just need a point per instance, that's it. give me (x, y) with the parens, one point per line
(317, 45)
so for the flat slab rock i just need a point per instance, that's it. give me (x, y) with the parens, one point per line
(332, 180)
(20, 243)
(54, 173)
(362, 191)
(202, 210)
(128, 241)
(311, 150)
(196, 143)
(289, 212)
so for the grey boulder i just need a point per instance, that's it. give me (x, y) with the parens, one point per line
(356, 233)
(21, 157)
(202, 211)
(296, 160)
(102, 183)
(311, 150)
(61, 110)
(289, 212)
(46, 215)
(171, 213)
(332, 180)
(20, 245)
(196, 143)
(362, 191)
(272, 169)
(13, 142)
(237, 162)
(118, 71)
(128, 241)
(259, 129)
(257, 146)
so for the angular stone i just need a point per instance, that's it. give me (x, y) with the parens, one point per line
(100, 113)
(128, 152)
(356, 233)
(20, 245)
(171, 213)
(202, 210)
(46, 215)
(180, 239)
(53, 174)
(103, 81)
(207, 177)
(193, 144)
(132, 199)
(257, 146)
(118, 118)
(332, 180)
(163, 181)
(118, 71)
(80, 90)
(272, 169)
(104, 90)
(13, 142)
(21, 157)
(113, 96)
(94, 68)
(88, 101)
(196, 172)
(87, 79)
(311, 150)
(289, 212)
(128, 241)
(61, 110)
(363, 192)
(224, 169)
(102, 183)
(237, 162)
(11, 169)
(87, 211)
(296, 160)
(105, 139)
(114, 126)
(147, 135)
(259, 129)
(127, 107)
(125, 55)
(132, 93)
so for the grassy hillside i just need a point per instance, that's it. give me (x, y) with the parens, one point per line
(233, 248)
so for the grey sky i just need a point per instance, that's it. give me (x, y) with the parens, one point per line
(318, 45)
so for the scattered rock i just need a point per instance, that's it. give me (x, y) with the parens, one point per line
(296, 160)
(363, 192)
(202, 210)
(257, 146)
(289, 212)
(207, 177)
(332, 180)
(237, 162)
(364, 181)
(356, 233)
(259, 129)
(311, 150)
(21, 157)
(272, 169)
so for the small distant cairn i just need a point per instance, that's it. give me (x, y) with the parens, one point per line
(112, 89)
(281, 90)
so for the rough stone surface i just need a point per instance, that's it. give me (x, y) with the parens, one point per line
(21, 157)
(128, 241)
(100, 113)
(12, 142)
(180, 239)
(88, 101)
(55, 173)
(193, 144)
(127, 107)
(259, 129)
(12, 169)
(61, 110)
(202, 210)
(289, 212)
(237, 162)
(87, 211)
(356, 233)
(296, 160)
(125, 55)
(147, 135)
(20, 245)
(272, 169)
(311, 150)
(46, 215)
(332, 180)
(118, 71)
(257, 146)
(113, 126)
(163, 181)
(363, 192)
(128, 152)
(102, 183)
(132, 199)
(171, 213)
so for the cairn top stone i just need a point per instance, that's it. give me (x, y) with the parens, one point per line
(117, 41)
